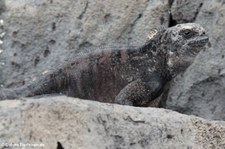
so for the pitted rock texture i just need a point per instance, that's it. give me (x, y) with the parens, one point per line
(179, 9)
(200, 90)
(75, 123)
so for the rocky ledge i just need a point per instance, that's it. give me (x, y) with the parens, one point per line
(63, 122)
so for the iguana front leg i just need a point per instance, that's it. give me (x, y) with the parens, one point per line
(140, 92)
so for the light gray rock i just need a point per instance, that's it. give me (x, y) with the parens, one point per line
(184, 11)
(41, 35)
(87, 124)
(201, 89)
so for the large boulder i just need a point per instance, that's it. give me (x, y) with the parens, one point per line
(75, 123)
(200, 90)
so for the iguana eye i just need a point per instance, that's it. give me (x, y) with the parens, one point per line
(187, 33)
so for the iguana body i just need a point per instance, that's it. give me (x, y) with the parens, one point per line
(131, 76)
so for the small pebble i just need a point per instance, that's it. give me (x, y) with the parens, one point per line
(1, 42)
(1, 22)
(44, 72)
(2, 34)
(2, 64)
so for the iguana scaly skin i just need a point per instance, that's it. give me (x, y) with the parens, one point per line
(129, 76)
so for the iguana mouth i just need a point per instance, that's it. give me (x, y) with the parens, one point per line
(199, 42)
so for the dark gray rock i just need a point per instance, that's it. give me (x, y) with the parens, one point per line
(184, 11)
(2, 6)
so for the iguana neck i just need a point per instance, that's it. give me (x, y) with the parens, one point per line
(157, 52)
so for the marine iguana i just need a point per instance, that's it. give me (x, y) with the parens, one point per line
(128, 76)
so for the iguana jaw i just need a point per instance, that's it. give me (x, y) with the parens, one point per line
(200, 41)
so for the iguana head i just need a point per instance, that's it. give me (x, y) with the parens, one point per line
(182, 43)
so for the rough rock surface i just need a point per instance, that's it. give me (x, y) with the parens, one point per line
(78, 123)
(179, 9)
(201, 89)
(41, 35)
